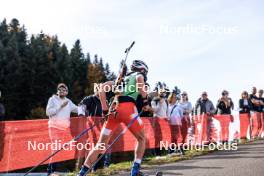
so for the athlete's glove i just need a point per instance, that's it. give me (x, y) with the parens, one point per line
(105, 115)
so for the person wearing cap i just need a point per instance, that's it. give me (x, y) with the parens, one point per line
(204, 105)
(224, 104)
(59, 109)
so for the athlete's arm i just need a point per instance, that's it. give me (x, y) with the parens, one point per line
(107, 86)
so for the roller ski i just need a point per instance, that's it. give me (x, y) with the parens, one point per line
(156, 174)
(135, 171)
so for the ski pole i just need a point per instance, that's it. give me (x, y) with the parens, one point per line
(64, 145)
(116, 139)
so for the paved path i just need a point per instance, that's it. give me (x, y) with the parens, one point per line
(248, 160)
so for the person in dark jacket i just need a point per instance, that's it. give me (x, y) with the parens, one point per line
(254, 100)
(2, 110)
(204, 106)
(91, 106)
(261, 100)
(245, 104)
(224, 104)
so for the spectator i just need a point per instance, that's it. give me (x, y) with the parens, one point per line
(147, 113)
(204, 105)
(186, 122)
(224, 104)
(175, 115)
(254, 99)
(159, 107)
(160, 104)
(91, 106)
(2, 129)
(245, 105)
(2, 110)
(261, 100)
(185, 105)
(59, 109)
(140, 104)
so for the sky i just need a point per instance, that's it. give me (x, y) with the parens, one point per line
(205, 45)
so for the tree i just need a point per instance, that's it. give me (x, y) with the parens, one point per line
(30, 70)
(110, 76)
(79, 71)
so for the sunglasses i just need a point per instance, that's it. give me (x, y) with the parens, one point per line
(63, 90)
(183, 94)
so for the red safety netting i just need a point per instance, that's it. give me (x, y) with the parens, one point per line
(18, 138)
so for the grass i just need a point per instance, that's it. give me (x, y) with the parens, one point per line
(151, 161)
(147, 163)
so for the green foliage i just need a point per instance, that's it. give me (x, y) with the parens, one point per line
(31, 67)
(37, 113)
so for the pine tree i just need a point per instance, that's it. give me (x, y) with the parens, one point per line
(79, 71)
(31, 69)
(110, 76)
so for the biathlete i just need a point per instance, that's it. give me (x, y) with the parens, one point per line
(125, 110)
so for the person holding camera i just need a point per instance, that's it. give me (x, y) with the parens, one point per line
(160, 105)
(224, 104)
(245, 105)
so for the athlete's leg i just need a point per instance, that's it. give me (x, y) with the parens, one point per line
(93, 154)
(141, 144)
(137, 129)
(138, 132)
(126, 112)
(109, 126)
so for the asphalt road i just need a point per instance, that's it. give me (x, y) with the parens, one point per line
(248, 160)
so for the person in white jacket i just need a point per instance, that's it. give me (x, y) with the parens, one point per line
(159, 104)
(59, 111)
(175, 115)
